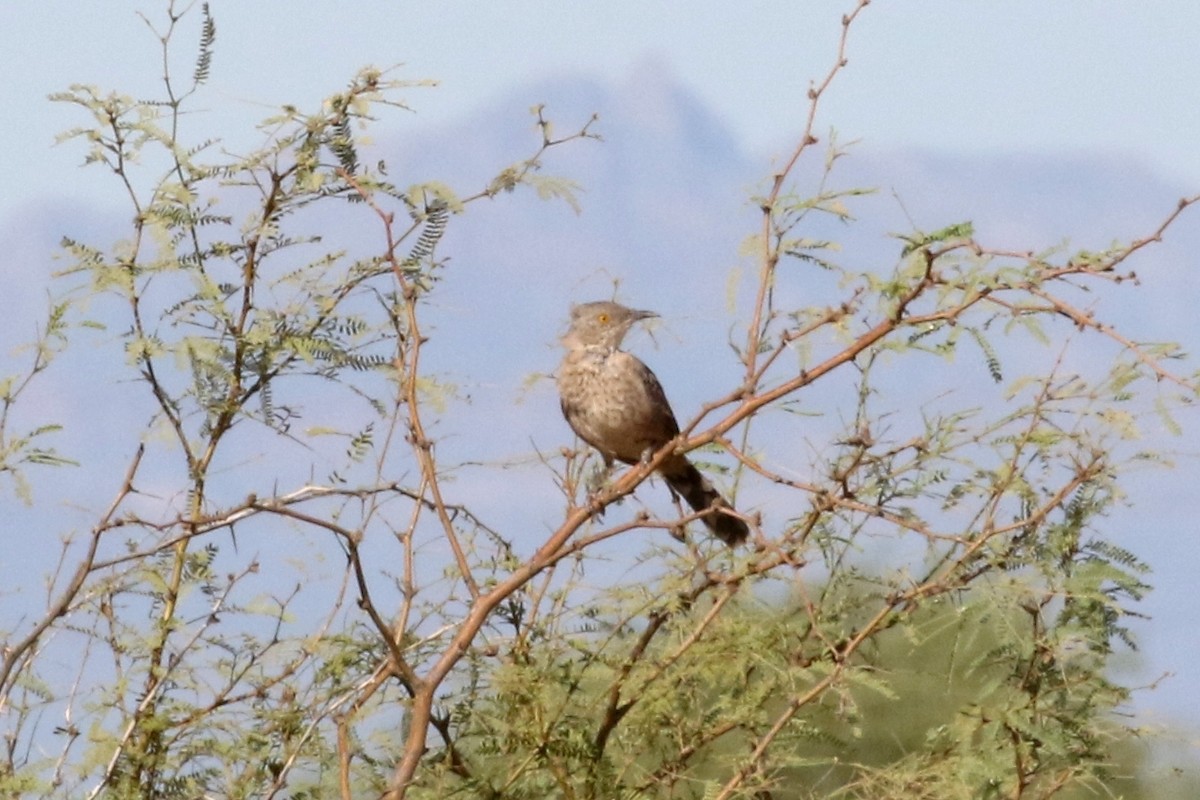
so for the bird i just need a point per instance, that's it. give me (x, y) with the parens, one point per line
(616, 404)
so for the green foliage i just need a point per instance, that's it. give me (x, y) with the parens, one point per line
(20, 446)
(226, 315)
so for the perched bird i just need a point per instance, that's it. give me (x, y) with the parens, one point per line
(616, 404)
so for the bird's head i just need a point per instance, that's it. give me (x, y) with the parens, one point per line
(602, 324)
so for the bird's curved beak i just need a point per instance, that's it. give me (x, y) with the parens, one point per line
(638, 316)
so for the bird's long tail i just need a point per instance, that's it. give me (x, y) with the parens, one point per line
(687, 481)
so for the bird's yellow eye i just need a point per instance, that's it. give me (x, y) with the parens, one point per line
(602, 318)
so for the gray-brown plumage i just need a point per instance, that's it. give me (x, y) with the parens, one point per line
(614, 403)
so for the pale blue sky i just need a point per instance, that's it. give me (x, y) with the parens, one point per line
(956, 75)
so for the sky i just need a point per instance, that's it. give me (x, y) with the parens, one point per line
(957, 77)
(952, 75)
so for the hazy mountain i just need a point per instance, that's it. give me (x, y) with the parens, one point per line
(665, 208)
